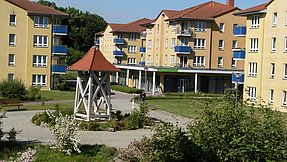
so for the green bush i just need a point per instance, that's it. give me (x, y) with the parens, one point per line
(126, 89)
(33, 93)
(63, 86)
(13, 89)
(138, 118)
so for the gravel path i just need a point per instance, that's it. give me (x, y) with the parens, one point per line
(21, 120)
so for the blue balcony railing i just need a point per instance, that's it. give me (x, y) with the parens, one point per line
(97, 42)
(238, 78)
(182, 49)
(59, 50)
(142, 63)
(240, 30)
(119, 41)
(142, 49)
(60, 29)
(119, 53)
(59, 68)
(239, 55)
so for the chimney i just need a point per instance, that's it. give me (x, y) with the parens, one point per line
(230, 3)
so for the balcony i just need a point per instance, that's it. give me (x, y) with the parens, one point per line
(60, 29)
(142, 49)
(59, 69)
(59, 50)
(238, 78)
(143, 35)
(118, 53)
(119, 41)
(142, 63)
(184, 32)
(240, 31)
(239, 55)
(182, 49)
(97, 42)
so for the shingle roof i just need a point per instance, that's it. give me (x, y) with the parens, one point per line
(132, 27)
(35, 8)
(253, 9)
(115, 26)
(94, 60)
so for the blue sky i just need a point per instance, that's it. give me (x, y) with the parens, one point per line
(123, 11)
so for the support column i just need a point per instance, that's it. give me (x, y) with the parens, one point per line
(128, 77)
(161, 83)
(117, 77)
(140, 80)
(153, 84)
(195, 82)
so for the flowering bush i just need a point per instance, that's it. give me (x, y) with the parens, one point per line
(27, 156)
(65, 131)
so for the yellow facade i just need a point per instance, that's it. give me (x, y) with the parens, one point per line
(24, 49)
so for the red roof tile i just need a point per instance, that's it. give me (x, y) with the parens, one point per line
(33, 7)
(133, 27)
(252, 9)
(115, 26)
(94, 60)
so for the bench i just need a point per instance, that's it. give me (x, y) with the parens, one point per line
(10, 102)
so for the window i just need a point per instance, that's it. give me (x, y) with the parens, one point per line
(272, 72)
(165, 59)
(41, 22)
(252, 93)
(11, 60)
(252, 69)
(200, 26)
(149, 60)
(40, 41)
(285, 45)
(173, 26)
(234, 44)
(255, 21)
(10, 76)
(149, 43)
(39, 80)
(199, 61)
(271, 96)
(131, 61)
(221, 27)
(12, 20)
(184, 41)
(199, 43)
(254, 45)
(132, 37)
(40, 61)
(132, 49)
(12, 40)
(221, 44)
(173, 42)
(275, 18)
(172, 59)
(220, 62)
(166, 43)
(233, 63)
(273, 44)
(157, 28)
(285, 71)
(234, 26)
(157, 43)
(284, 98)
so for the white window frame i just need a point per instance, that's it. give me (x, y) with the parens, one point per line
(9, 76)
(252, 69)
(13, 63)
(200, 43)
(149, 43)
(271, 96)
(220, 62)
(273, 45)
(252, 94)
(13, 23)
(132, 37)
(149, 59)
(12, 43)
(132, 49)
(284, 98)
(221, 45)
(40, 38)
(172, 59)
(39, 24)
(173, 42)
(234, 44)
(131, 61)
(234, 65)
(200, 26)
(285, 44)
(222, 27)
(285, 72)
(199, 61)
(40, 80)
(254, 44)
(255, 21)
(40, 61)
(275, 19)
(272, 71)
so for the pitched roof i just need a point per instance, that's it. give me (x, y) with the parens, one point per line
(132, 27)
(94, 60)
(115, 26)
(170, 13)
(36, 8)
(253, 9)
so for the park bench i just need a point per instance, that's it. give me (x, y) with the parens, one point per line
(10, 102)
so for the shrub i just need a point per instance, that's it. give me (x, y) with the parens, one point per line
(2, 133)
(13, 89)
(63, 86)
(126, 89)
(138, 118)
(33, 93)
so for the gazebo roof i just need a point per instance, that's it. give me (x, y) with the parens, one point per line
(94, 60)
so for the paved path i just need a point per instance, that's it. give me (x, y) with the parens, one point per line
(21, 120)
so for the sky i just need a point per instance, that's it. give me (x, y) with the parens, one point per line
(124, 11)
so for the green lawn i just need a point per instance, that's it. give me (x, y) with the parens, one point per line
(191, 108)
(55, 95)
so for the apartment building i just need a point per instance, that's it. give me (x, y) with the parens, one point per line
(31, 44)
(266, 45)
(200, 48)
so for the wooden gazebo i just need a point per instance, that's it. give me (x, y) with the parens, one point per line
(93, 90)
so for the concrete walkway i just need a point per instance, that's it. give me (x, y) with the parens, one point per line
(21, 120)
